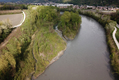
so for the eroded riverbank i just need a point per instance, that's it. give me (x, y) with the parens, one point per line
(86, 57)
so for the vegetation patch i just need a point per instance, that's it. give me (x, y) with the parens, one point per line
(12, 6)
(69, 24)
(5, 29)
(117, 34)
(37, 41)
(115, 16)
(47, 45)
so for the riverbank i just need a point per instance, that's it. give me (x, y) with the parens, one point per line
(108, 25)
(60, 34)
(51, 62)
(86, 56)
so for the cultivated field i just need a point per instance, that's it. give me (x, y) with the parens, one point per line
(15, 19)
(2, 12)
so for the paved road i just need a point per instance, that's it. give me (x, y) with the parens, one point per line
(15, 19)
(22, 20)
(115, 40)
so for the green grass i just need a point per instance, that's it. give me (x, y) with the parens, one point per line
(117, 34)
(66, 1)
(46, 45)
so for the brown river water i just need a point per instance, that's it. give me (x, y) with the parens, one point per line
(86, 57)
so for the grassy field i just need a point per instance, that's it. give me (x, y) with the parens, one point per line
(117, 34)
(2, 12)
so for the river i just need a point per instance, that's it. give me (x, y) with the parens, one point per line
(86, 57)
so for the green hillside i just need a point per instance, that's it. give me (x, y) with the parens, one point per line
(78, 2)
(96, 2)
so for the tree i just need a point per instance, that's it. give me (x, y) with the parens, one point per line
(66, 17)
(69, 24)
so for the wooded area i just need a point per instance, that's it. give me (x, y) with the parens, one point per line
(69, 24)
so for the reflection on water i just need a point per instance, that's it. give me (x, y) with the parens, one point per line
(86, 57)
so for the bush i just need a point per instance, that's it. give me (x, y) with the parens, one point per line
(5, 29)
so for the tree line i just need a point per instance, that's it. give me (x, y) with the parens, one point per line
(13, 7)
(115, 16)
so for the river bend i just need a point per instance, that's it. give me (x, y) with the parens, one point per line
(86, 57)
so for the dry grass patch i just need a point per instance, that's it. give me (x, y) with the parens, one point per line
(10, 11)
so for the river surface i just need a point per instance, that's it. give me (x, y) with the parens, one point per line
(86, 57)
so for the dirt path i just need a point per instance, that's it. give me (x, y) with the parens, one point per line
(115, 40)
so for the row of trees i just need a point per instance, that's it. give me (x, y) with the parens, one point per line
(13, 7)
(69, 24)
